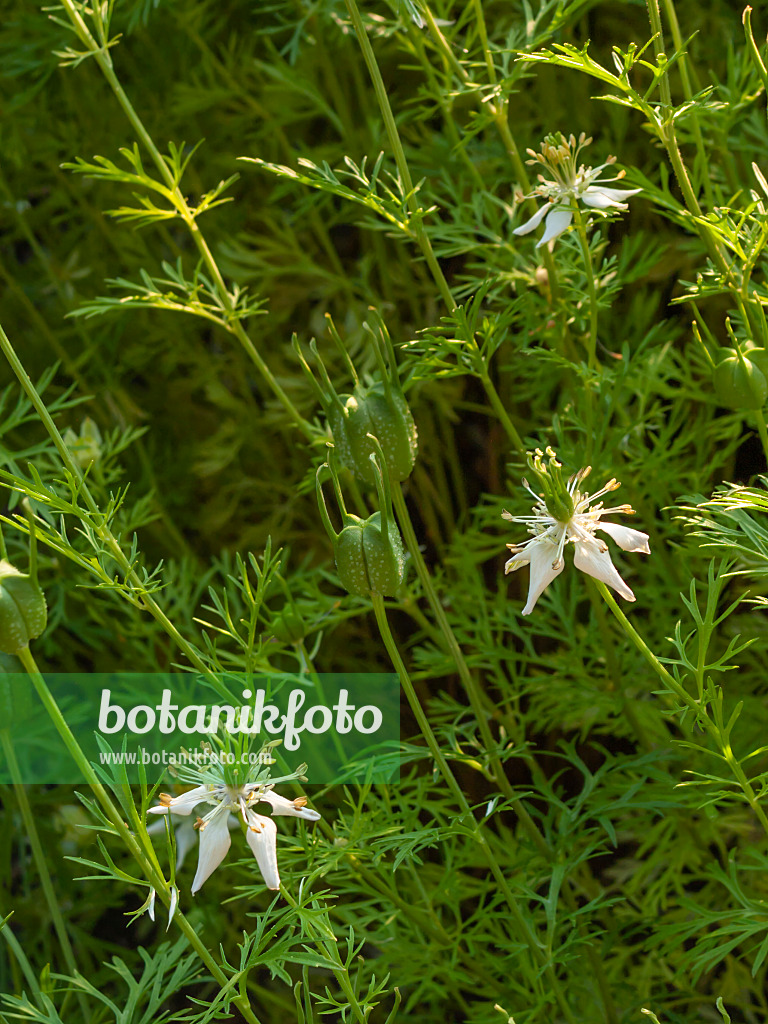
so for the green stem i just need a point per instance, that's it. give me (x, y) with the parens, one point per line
(685, 78)
(104, 61)
(698, 708)
(329, 947)
(761, 429)
(434, 748)
(393, 135)
(469, 682)
(581, 229)
(101, 528)
(40, 862)
(149, 867)
(498, 407)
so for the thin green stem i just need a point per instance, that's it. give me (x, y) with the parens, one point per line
(104, 61)
(685, 78)
(581, 230)
(534, 945)
(101, 528)
(330, 948)
(40, 862)
(146, 860)
(697, 707)
(498, 407)
(762, 431)
(396, 145)
(469, 682)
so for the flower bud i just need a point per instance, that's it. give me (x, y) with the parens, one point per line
(23, 611)
(85, 447)
(739, 380)
(370, 557)
(379, 409)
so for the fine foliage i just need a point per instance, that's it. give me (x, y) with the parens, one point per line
(303, 301)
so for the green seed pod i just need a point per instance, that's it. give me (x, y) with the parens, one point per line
(289, 627)
(382, 411)
(739, 383)
(757, 356)
(370, 557)
(379, 409)
(23, 611)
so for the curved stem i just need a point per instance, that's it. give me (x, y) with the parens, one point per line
(532, 942)
(151, 870)
(393, 135)
(581, 229)
(40, 862)
(762, 431)
(697, 707)
(104, 60)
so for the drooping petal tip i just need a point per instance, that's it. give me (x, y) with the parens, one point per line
(558, 221)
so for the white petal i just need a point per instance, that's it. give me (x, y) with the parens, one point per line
(541, 555)
(262, 839)
(619, 194)
(589, 558)
(185, 840)
(519, 559)
(185, 803)
(151, 907)
(558, 221)
(174, 904)
(534, 222)
(627, 539)
(214, 843)
(280, 805)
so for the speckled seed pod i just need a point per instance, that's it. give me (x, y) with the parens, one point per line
(23, 611)
(384, 413)
(367, 560)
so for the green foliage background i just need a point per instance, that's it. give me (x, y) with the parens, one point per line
(632, 891)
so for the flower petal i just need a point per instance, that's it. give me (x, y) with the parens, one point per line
(541, 554)
(606, 198)
(533, 223)
(627, 539)
(558, 220)
(185, 803)
(619, 194)
(174, 904)
(592, 557)
(262, 839)
(281, 805)
(214, 843)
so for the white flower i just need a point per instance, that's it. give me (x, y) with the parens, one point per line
(558, 156)
(544, 551)
(213, 827)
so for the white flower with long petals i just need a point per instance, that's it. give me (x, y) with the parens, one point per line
(213, 827)
(564, 515)
(572, 184)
